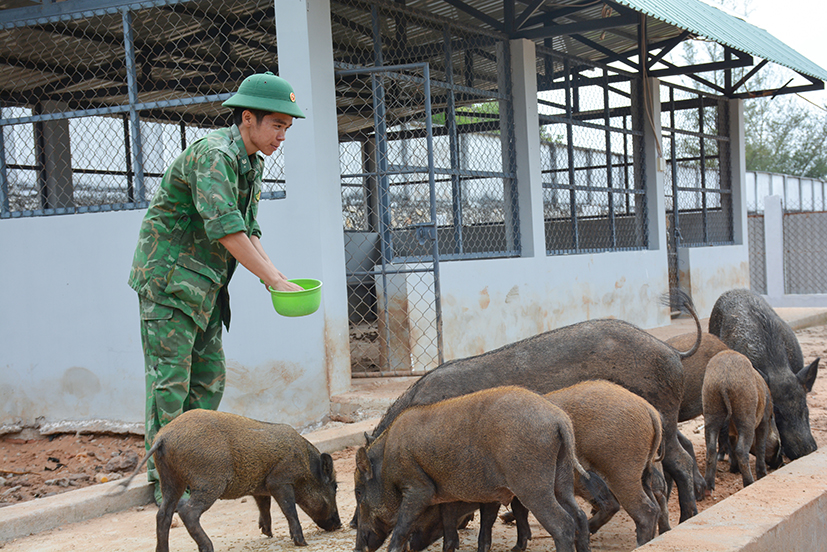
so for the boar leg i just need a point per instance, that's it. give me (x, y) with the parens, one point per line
(265, 522)
(700, 483)
(604, 504)
(190, 513)
(413, 504)
(678, 464)
(286, 499)
(450, 523)
(712, 428)
(523, 528)
(564, 492)
(761, 435)
(745, 426)
(488, 515)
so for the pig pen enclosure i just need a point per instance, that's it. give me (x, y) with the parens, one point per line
(231, 524)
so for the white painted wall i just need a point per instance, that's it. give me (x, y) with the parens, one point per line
(71, 337)
(489, 303)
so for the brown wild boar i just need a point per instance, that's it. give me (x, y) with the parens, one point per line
(220, 455)
(618, 435)
(736, 396)
(486, 447)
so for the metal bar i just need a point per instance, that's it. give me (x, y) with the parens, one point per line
(676, 224)
(570, 152)
(702, 147)
(612, 223)
(132, 83)
(70, 9)
(477, 14)
(4, 181)
(432, 197)
(581, 27)
(453, 145)
(130, 190)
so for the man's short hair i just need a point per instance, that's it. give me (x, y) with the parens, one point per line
(259, 114)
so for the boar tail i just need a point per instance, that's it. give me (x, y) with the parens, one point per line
(658, 445)
(680, 301)
(567, 440)
(121, 487)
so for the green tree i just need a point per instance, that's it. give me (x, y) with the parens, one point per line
(784, 134)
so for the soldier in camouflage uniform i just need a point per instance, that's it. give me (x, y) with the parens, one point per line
(200, 224)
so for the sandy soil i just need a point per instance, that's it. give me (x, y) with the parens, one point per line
(232, 525)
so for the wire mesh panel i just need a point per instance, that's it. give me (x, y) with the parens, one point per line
(805, 252)
(591, 156)
(757, 255)
(698, 184)
(395, 225)
(95, 105)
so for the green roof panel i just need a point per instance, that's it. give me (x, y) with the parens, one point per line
(704, 20)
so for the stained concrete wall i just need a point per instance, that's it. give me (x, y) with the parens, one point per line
(70, 336)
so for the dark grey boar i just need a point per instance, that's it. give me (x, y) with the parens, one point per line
(487, 447)
(736, 397)
(746, 323)
(611, 350)
(220, 455)
(618, 435)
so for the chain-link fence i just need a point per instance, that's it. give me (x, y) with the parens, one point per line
(591, 156)
(414, 195)
(698, 183)
(757, 255)
(95, 105)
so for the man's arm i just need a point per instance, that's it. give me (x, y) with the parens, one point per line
(250, 253)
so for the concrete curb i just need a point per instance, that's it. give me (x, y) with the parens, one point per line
(783, 511)
(43, 514)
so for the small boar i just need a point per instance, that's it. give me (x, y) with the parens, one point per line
(748, 324)
(736, 396)
(607, 349)
(221, 455)
(618, 435)
(486, 447)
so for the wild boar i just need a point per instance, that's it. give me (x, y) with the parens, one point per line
(735, 396)
(618, 435)
(746, 323)
(221, 455)
(611, 350)
(486, 447)
(694, 369)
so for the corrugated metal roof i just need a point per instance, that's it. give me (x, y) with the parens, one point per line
(707, 21)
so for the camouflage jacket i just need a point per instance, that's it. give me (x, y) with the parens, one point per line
(212, 189)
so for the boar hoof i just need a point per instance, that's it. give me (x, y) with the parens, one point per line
(267, 531)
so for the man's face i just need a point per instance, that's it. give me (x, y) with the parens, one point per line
(268, 134)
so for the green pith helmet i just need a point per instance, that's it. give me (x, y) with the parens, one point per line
(267, 92)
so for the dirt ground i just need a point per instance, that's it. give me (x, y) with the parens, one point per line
(37, 468)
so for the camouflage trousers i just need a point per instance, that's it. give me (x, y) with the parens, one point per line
(184, 367)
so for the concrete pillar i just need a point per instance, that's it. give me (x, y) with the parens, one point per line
(651, 169)
(527, 145)
(311, 166)
(738, 174)
(774, 245)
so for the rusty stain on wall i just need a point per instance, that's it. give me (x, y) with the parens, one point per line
(513, 295)
(80, 382)
(485, 299)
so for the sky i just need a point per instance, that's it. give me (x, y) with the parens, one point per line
(801, 24)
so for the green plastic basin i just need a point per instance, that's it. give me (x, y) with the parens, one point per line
(298, 303)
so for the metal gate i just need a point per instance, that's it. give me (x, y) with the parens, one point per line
(390, 221)
(698, 180)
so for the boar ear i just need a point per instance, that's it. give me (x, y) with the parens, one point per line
(327, 466)
(368, 440)
(807, 375)
(363, 463)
